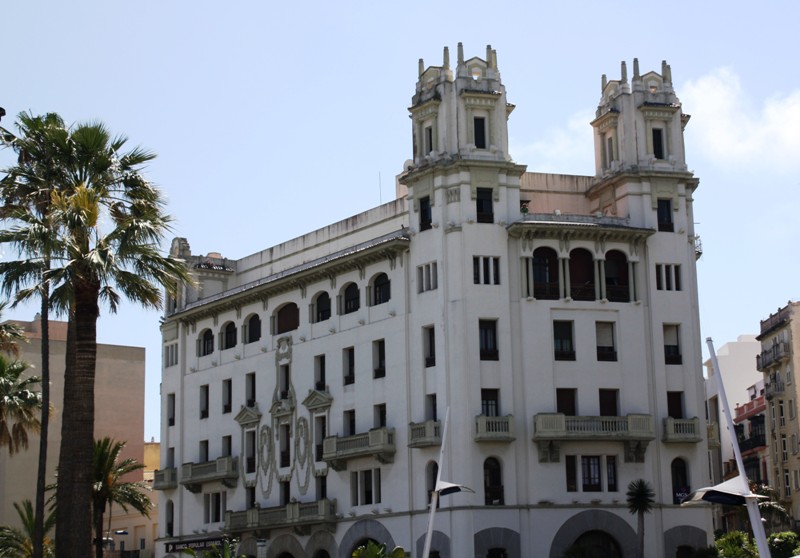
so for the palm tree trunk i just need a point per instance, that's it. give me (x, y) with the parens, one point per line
(640, 527)
(74, 522)
(41, 476)
(98, 531)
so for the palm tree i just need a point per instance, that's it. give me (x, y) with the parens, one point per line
(375, 550)
(109, 488)
(18, 543)
(20, 405)
(227, 550)
(10, 335)
(641, 498)
(106, 246)
(25, 192)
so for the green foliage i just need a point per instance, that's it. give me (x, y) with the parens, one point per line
(735, 544)
(18, 543)
(374, 550)
(227, 550)
(640, 497)
(20, 405)
(783, 545)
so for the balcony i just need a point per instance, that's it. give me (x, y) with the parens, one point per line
(755, 441)
(494, 429)
(302, 517)
(750, 409)
(165, 479)
(377, 443)
(425, 434)
(774, 355)
(682, 430)
(772, 389)
(550, 429)
(712, 430)
(223, 469)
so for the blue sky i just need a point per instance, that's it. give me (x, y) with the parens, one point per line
(271, 119)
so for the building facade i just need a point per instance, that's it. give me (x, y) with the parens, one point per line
(304, 387)
(777, 363)
(119, 414)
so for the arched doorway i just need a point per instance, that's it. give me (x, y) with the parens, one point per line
(595, 544)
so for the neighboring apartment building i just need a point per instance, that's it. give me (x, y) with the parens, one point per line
(119, 412)
(777, 363)
(305, 386)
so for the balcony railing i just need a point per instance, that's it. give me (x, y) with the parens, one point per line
(165, 479)
(300, 516)
(223, 469)
(494, 429)
(753, 442)
(773, 388)
(682, 430)
(378, 443)
(549, 429)
(425, 434)
(774, 355)
(712, 429)
(749, 409)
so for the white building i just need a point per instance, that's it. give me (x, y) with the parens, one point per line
(304, 386)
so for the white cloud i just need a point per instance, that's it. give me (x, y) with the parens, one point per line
(729, 128)
(565, 150)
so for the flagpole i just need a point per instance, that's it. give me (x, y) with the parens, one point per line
(750, 502)
(435, 494)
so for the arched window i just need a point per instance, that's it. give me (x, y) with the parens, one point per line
(288, 318)
(381, 289)
(617, 283)
(581, 274)
(351, 298)
(229, 335)
(497, 553)
(253, 329)
(322, 553)
(680, 480)
(322, 307)
(205, 343)
(492, 482)
(545, 274)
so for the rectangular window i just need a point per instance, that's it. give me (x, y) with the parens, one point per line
(425, 216)
(675, 404)
(609, 150)
(170, 355)
(590, 473)
(606, 348)
(486, 270)
(572, 473)
(488, 339)
(428, 139)
(204, 401)
(566, 401)
(365, 487)
(658, 143)
(427, 277)
(672, 347)
(379, 358)
(490, 402)
(787, 489)
(611, 473)
(349, 365)
(170, 458)
(251, 497)
(784, 448)
(202, 451)
(665, 223)
(285, 443)
(429, 345)
(319, 373)
(214, 507)
(227, 446)
(322, 487)
(781, 413)
(349, 419)
(484, 205)
(320, 431)
(431, 412)
(284, 379)
(609, 402)
(250, 389)
(285, 492)
(380, 415)
(563, 347)
(250, 451)
(170, 409)
(227, 403)
(668, 277)
(480, 132)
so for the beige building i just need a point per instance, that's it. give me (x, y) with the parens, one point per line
(119, 412)
(777, 363)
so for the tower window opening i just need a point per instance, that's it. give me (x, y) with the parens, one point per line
(658, 143)
(428, 139)
(480, 132)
